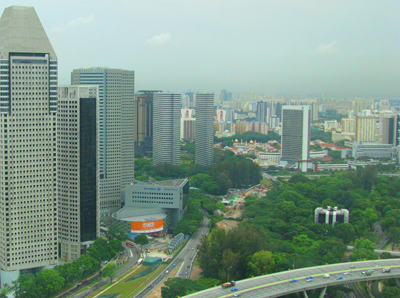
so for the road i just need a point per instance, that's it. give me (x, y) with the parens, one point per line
(184, 260)
(379, 251)
(278, 284)
(132, 253)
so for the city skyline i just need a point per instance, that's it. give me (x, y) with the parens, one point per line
(308, 47)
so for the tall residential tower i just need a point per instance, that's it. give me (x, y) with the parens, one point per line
(116, 129)
(166, 128)
(28, 104)
(204, 140)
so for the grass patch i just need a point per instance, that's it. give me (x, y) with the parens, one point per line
(130, 288)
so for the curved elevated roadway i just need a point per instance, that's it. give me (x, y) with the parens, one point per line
(278, 284)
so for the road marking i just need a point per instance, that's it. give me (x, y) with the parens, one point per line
(130, 252)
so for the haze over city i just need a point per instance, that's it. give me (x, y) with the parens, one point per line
(291, 47)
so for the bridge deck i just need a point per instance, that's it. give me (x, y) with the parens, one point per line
(278, 284)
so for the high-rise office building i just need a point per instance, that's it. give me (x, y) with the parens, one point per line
(77, 163)
(166, 128)
(262, 111)
(204, 140)
(116, 130)
(296, 135)
(144, 122)
(366, 129)
(390, 131)
(28, 192)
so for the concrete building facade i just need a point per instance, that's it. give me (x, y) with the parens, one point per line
(331, 215)
(116, 130)
(366, 129)
(204, 140)
(296, 135)
(151, 208)
(373, 150)
(348, 125)
(77, 169)
(166, 128)
(28, 165)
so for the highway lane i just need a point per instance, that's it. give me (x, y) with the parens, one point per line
(191, 250)
(183, 260)
(275, 285)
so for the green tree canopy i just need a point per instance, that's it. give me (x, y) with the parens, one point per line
(141, 239)
(262, 262)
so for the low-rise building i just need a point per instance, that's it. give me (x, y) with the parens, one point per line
(373, 150)
(152, 207)
(331, 215)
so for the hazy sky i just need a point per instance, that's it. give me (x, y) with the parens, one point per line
(327, 47)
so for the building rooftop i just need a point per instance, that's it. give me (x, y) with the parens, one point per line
(21, 31)
(176, 182)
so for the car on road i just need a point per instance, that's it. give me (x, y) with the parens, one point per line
(166, 272)
(346, 273)
(386, 270)
(309, 277)
(339, 277)
(237, 295)
(174, 265)
(326, 276)
(352, 266)
(188, 266)
(191, 257)
(180, 273)
(308, 280)
(293, 280)
(234, 289)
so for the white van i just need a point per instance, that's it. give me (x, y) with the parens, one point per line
(326, 276)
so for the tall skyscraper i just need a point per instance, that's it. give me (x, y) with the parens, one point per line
(28, 225)
(144, 122)
(116, 129)
(166, 128)
(204, 140)
(77, 175)
(296, 135)
(262, 111)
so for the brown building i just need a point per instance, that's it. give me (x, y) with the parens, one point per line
(144, 121)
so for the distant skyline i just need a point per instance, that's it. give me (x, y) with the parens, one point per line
(300, 47)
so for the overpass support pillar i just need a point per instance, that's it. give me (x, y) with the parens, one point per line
(322, 292)
(305, 294)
